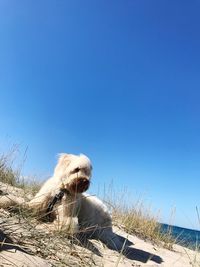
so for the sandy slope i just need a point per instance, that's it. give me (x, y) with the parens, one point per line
(20, 259)
(61, 252)
(145, 254)
(141, 254)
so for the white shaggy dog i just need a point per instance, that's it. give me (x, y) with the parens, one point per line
(71, 209)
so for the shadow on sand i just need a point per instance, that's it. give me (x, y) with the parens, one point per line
(6, 243)
(128, 251)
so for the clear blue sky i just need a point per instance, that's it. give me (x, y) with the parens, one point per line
(116, 80)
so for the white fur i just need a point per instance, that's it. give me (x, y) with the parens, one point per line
(76, 212)
(62, 177)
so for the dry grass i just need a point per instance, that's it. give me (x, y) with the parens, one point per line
(12, 176)
(137, 217)
(21, 226)
(58, 248)
(139, 221)
(134, 218)
(144, 225)
(7, 174)
(194, 260)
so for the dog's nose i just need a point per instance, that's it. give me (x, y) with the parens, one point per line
(79, 185)
(84, 181)
(82, 184)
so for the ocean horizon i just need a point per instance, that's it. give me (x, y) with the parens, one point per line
(183, 236)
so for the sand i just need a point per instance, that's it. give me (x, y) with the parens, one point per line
(139, 252)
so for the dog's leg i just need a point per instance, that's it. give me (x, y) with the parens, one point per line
(67, 215)
(41, 200)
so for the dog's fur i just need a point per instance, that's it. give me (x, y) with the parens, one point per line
(77, 211)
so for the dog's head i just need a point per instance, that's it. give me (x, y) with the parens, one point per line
(74, 172)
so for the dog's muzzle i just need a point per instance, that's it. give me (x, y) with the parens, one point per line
(79, 185)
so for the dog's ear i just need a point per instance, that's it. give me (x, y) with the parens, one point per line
(63, 162)
(63, 156)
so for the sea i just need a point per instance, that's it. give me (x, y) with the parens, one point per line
(183, 236)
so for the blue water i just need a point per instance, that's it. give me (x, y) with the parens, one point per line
(185, 237)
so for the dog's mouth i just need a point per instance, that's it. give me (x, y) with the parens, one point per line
(78, 185)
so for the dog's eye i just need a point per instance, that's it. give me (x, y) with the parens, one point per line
(76, 170)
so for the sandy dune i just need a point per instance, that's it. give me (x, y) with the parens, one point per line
(23, 246)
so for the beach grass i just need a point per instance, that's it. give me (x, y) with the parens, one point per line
(194, 259)
(134, 218)
(12, 175)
